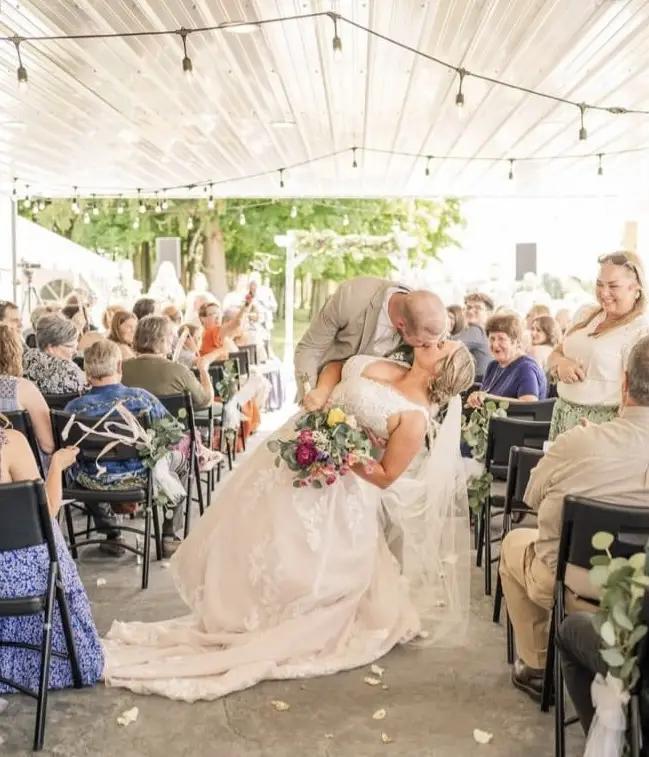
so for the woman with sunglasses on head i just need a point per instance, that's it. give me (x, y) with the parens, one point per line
(589, 364)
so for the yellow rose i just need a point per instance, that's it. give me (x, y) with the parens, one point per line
(335, 417)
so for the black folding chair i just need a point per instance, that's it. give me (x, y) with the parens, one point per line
(89, 449)
(582, 518)
(26, 522)
(521, 463)
(242, 360)
(251, 350)
(78, 359)
(531, 411)
(20, 421)
(174, 403)
(504, 433)
(60, 401)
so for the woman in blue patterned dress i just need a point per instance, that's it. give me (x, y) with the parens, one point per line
(23, 572)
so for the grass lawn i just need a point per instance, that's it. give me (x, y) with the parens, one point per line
(300, 324)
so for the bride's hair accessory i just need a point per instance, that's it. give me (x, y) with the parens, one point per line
(455, 374)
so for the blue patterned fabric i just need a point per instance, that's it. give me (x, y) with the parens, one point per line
(23, 573)
(98, 401)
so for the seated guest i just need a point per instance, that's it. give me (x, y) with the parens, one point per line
(477, 309)
(50, 365)
(10, 316)
(37, 313)
(17, 393)
(173, 314)
(103, 364)
(79, 316)
(143, 307)
(544, 335)
(153, 371)
(122, 332)
(608, 462)
(107, 317)
(214, 331)
(24, 572)
(455, 323)
(511, 374)
(189, 349)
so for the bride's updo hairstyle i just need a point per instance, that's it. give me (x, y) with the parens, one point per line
(455, 374)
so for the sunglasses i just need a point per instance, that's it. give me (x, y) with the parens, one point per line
(619, 258)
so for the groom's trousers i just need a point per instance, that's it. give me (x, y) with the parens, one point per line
(528, 587)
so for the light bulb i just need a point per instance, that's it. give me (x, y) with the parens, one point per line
(27, 203)
(158, 208)
(86, 217)
(293, 212)
(190, 224)
(120, 209)
(142, 207)
(210, 203)
(41, 205)
(136, 223)
(165, 204)
(242, 219)
(23, 79)
(75, 206)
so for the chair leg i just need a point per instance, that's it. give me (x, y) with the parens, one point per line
(635, 729)
(155, 515)
(199, 487)
(478, 558)
(218, 477)
(146, 557)
(559, 708)
(498, 597)
(188, 498)
(510, 638)
(46, 652)
(548, 674)
(70, 643)
(487, 547)
(70, 527)
(243, 437)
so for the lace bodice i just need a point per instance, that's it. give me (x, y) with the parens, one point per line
(371, 402)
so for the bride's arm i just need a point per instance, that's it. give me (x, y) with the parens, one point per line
(404, 443)
(327, 380)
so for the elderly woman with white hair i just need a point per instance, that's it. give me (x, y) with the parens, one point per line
(50, 365)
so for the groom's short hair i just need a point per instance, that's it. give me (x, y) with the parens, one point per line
(424, 312)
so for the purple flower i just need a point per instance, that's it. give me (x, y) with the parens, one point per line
(305, 454)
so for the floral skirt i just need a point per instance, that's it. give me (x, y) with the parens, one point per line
(566, 415)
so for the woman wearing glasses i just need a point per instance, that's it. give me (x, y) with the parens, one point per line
(588, 366)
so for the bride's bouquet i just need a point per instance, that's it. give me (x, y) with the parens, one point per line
(326, 446)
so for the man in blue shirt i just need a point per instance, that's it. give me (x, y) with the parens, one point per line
(103, 367)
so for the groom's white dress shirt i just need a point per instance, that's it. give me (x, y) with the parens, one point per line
(386, 337)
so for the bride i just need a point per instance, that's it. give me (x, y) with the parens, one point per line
(288, 583)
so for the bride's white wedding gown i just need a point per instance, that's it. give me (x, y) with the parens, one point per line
(287, 583)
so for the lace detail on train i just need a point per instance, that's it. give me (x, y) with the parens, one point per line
(371, 402)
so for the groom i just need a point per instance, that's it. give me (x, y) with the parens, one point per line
(365, 316)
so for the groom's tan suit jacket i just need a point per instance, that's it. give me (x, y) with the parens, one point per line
(344, 327)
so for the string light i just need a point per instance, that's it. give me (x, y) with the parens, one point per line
(583, 134)
(600, 168)
(165, 202)
(76, 209)
(136, 223)
(190, 223)
(34, 210)
(14, 191)
(27, 203)
(95, 209)
(242, 219)
(293, 213)
(141, 205)
(354, 162)
(336, 42)
(511, 168)
(120, 207)
(210, 201)
(158, 207)
(21, 71)
(86, 218)
(188, 67)
(459, 97)
(428, 159)
(281, 178)
(41, 205)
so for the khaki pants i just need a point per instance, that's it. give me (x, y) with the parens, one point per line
(528, 587)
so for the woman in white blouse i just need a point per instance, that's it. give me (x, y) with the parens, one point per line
(590, 363)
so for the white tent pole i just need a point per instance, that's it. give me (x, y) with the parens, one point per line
(14, 253)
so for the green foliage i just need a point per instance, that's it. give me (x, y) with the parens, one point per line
(162, 434)
(622, 583)
(226, 388)
(475, 430)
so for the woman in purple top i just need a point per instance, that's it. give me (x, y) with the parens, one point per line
(511, 374)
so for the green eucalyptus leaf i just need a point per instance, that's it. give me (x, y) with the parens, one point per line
(621, 618)
(613, 657)
(638, 633)
(598, 575)
(607, 633)
(600, 560)
(602, 540)
(638, 560)
(641, 580)
(627, 668)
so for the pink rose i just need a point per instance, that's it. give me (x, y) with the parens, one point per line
(305, 454)
(330, 480)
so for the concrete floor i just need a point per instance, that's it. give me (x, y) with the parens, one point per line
(434, 701)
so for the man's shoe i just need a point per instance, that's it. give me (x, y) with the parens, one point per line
(529, 680)
(113, 547)
(169, 545)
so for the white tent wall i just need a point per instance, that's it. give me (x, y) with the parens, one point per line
(7, 273)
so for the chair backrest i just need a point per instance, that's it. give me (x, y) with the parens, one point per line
(251, 351)
(24, 517)
(243, 363)
(532, 411)
(174, 403)
(59, 401)
(505, 433)
(583, 517)
(522, 460)
(78, 359)
(30, 341)
(92, 445)
(20, 421)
